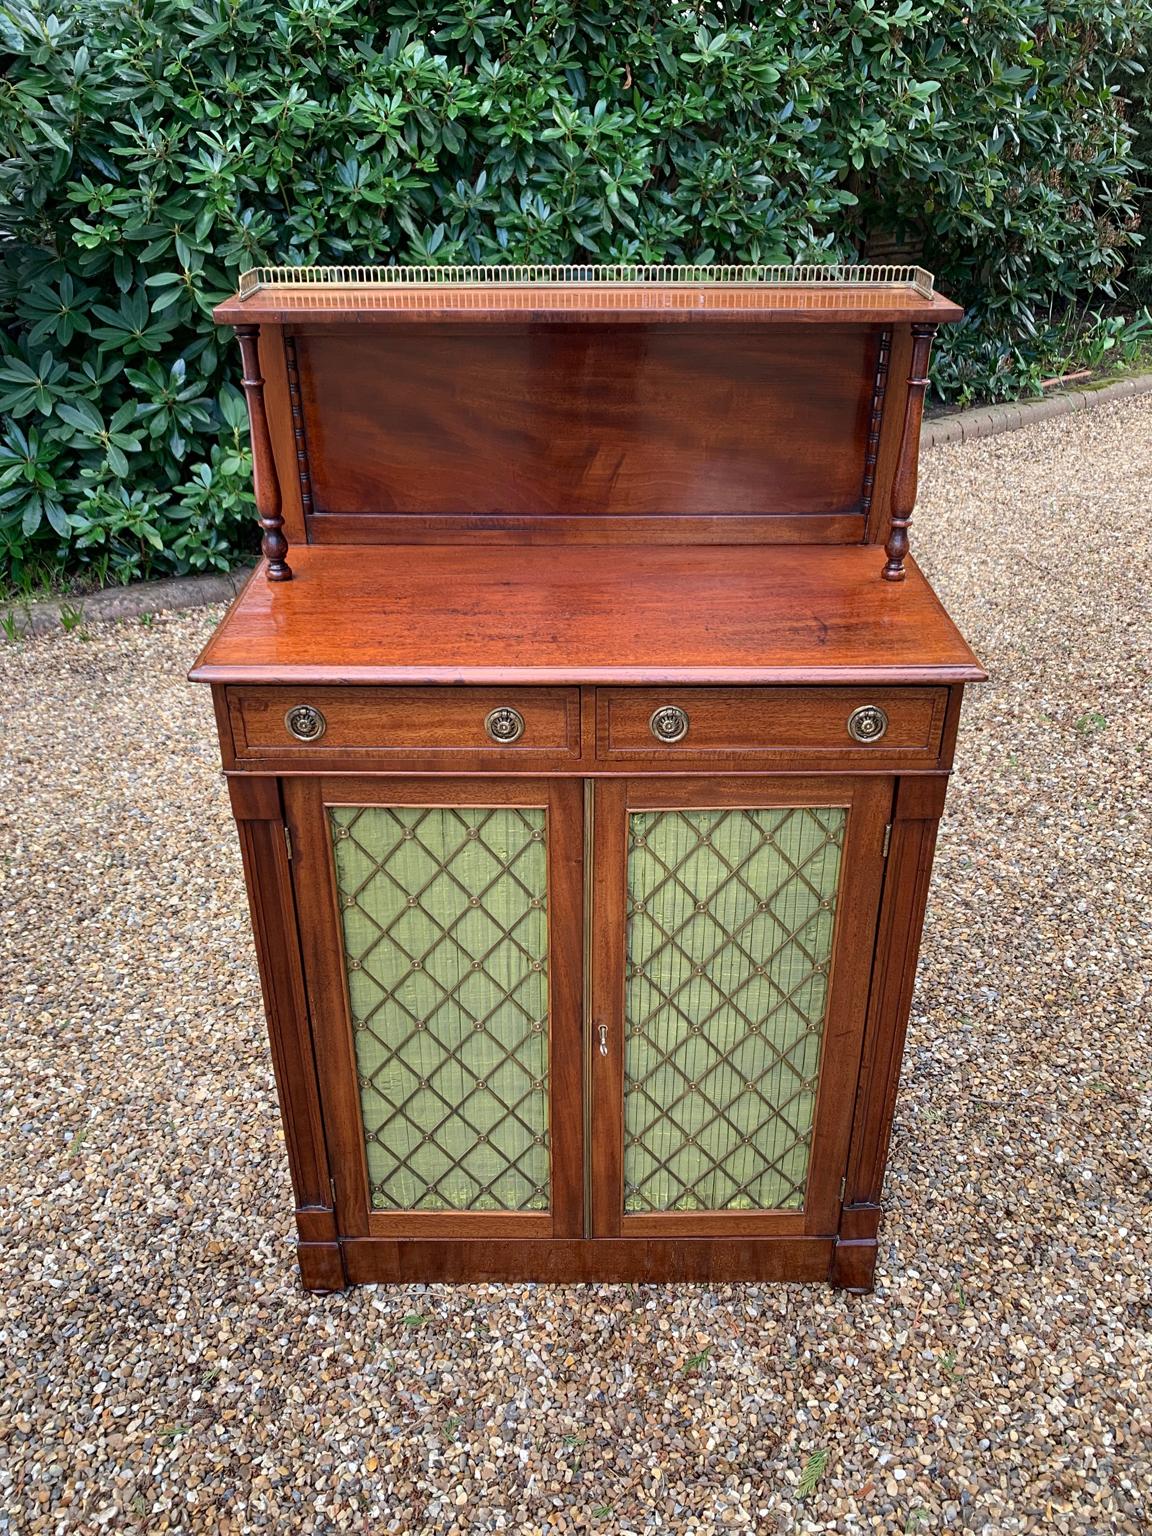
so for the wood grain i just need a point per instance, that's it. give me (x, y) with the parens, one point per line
(747, 722)
(569, 423)
(437, 724)
(700, 614)
(562, 1261)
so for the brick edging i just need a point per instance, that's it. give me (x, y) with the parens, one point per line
(178, 592)
(144, 597)
(989, 420)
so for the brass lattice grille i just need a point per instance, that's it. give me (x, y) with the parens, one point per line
(446, 946)
(730, 922)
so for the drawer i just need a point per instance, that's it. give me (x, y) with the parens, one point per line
(440, 725)
(855, 724)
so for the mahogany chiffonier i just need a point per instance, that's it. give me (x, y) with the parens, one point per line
(587, 727)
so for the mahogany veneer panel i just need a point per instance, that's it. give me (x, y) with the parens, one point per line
(567, 1261)
(704, 614)
(571, 423)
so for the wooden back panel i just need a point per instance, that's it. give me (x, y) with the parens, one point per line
(587, 422)
(462, 431)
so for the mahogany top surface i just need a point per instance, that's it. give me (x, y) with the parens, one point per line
(587, 614)
(585, 303)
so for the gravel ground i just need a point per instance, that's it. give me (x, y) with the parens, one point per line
(162, 1371)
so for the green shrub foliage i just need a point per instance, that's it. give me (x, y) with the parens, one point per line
(150, 150)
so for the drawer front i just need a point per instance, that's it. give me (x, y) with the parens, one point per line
(854, 724)
(443, 726)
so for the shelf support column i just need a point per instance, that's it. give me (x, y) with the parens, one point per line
(269, 503)
(904, 485)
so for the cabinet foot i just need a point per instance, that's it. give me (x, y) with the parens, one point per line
(853, 1265)
(321, 1266)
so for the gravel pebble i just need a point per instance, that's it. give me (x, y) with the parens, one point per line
(162, 1371)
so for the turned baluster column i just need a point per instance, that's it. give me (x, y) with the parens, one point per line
(904, 485)
(273, 545)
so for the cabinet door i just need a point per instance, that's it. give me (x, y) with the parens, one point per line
(441, 923)
(734, 924)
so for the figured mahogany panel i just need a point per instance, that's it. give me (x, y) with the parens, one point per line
(592, 422)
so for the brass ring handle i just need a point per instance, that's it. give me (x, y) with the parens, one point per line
(305, 722)
(602, 1031)
(505, 724)
(867, 724)
(669, 723)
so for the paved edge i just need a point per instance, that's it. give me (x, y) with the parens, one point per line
(178, 592)
(118, 603)
(988, 420)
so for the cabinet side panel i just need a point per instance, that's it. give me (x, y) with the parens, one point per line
(919, 803)
(265, 856)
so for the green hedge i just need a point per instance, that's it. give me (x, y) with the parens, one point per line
(151, 150)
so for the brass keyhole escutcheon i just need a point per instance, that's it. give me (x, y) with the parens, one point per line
(505, 724)
(868, 723)
(305, 723)
(669, 723)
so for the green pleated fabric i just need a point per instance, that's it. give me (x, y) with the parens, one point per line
(730, 923)
(444, 917)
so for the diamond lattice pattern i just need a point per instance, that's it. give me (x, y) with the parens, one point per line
(445, 940)
(730, 922)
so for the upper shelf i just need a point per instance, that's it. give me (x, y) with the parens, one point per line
(584, 294)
